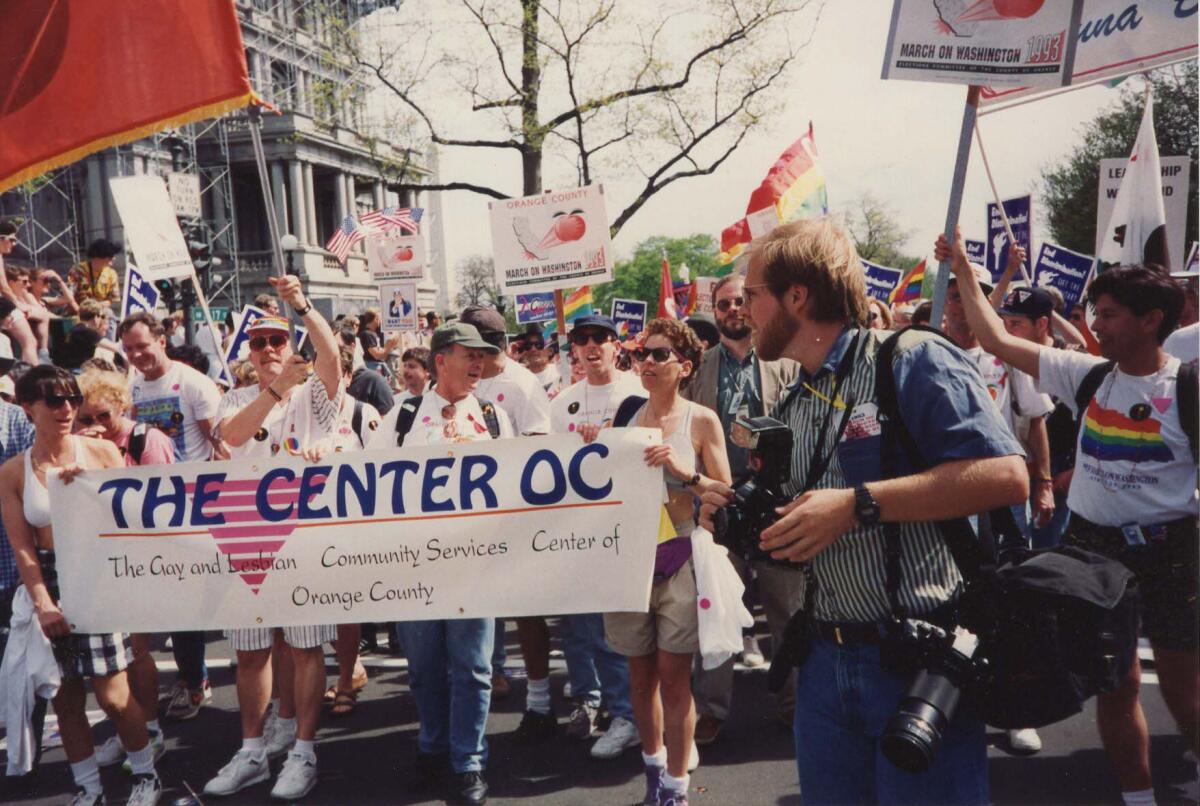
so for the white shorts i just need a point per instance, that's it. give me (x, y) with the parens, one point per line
(251, 639)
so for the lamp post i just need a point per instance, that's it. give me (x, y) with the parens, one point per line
(289, 243)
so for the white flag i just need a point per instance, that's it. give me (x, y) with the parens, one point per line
(1136, 232)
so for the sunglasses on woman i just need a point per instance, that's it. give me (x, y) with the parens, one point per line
(276, 340)
(724, 305)
(58, 401)
(661, 355)
(89, 419)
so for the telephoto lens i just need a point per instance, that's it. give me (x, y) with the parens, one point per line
(911, 738)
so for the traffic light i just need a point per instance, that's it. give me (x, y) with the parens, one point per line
(166, 292)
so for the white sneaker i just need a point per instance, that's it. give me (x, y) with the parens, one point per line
(752, 656)
(1024, 740)
(147, 789)
(111, 752)
(297, 778)
(243, 770)
(85, 798)
(280, 739)
(693, 758)
(620, 736)
(157, 744)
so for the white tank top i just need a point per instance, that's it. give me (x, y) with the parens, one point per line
(37, 498)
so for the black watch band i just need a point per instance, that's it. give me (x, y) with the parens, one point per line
(866, 508)
(304, 312)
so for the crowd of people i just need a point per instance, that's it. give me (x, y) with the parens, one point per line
(1042, 425)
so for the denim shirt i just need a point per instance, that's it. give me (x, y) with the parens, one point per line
(16, 435)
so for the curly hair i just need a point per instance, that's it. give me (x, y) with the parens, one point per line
(682, 338)
(99, 385)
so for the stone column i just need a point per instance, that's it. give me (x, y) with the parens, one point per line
(377, 195)
(341, 203)
(95, 200)
(310, 205)
(281, 202)
(299, 218)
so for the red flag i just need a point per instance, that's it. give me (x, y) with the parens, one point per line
(78, 76)
(666, 292)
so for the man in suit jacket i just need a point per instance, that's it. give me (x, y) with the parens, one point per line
(733, 382)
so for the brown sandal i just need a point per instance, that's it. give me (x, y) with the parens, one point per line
(344, 702)
(331, 694)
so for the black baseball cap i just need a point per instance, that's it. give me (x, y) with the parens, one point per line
(596, 320)
(102, 247)
(1033, 303)
(485, 320)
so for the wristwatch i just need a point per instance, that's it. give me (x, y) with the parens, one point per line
(866, 508)
(302, 312)
(693, 481)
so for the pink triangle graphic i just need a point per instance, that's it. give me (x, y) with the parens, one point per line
(1162, 403)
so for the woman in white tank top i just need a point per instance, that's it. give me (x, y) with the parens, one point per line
(51, 398)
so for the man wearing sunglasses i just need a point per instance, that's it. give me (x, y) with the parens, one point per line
(734, 383)
(538, 360)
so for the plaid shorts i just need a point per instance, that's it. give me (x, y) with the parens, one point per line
(81, 655)
(251, 639)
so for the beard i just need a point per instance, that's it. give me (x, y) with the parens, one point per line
(733, 331)
(773, 337)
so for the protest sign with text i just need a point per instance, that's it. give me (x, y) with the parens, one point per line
(140, 294)
(396, 257)
(880, 279)
(1011, 43)
(1175, 175)
(1065, 270)
(1020, 217)
(148, 217)
(976, 251)
(558, 239)
(704, 294)
(629, 316)
(464, 530)
(398, 306)
(535, 307)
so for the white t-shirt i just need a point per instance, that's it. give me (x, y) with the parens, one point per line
(1008, 384)
(550, 379)
(431, 426)
(173, 403)
(1184, 344)
(1134, 463)
(517, 391)
(345, 438)
(585, 404)
(303, 419)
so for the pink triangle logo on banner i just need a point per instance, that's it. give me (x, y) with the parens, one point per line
(1162, 403)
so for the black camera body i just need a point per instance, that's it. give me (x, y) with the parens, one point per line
(944, 665)
(757, 494)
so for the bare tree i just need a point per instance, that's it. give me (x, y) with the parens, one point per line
(665, 90)
(477, 283)
(878, 236)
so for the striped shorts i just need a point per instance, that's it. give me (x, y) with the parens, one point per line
(251, 639)
(82, 655)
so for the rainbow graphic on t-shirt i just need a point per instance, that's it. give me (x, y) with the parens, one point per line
(1113, 437)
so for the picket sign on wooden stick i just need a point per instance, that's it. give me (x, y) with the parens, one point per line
(970, 110)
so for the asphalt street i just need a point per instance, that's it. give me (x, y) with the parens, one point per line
(364, 757)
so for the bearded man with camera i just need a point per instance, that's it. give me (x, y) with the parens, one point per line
(862, 522)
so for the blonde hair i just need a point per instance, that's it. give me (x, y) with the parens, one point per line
(91, 309)
(102, 386)
(818, 254)
(244, 374)
(885, 315)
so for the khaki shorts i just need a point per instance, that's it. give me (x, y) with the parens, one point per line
(670, 625)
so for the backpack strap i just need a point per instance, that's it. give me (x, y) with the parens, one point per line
(356, 420)
(489, 418)
(628, 410)
(1187, 396)
(406, 417)
(137, 442)
(1083, 396)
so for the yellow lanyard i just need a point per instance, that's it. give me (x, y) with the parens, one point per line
(837, 401)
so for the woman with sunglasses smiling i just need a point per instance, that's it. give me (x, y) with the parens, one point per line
(51, 398)
(660, 644)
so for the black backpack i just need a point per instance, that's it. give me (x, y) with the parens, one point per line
(628, 410)
(408, 413)
(137, 442)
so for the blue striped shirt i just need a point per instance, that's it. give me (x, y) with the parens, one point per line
(16, 435)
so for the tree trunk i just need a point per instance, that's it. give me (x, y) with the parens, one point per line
(531, 80)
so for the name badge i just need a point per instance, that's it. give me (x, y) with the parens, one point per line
(1133, 534)
(864, 422)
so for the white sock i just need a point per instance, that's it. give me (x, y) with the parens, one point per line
(1142, 797)
(152, 726)
(288, 725)
(537, 696)
(256, 746)
(306, 748)
(676, 784)
(141, 762)
(87, 776)
(658, 759)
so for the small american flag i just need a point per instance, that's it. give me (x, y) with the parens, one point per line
(344, 238)
(390, 217)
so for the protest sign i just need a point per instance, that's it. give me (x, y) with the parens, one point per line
(239, 349)
(1019, 211)
(151, 228)
(629, 316)
(140, 294)
(535, 307)
(704, 294)
(555, 240)
(465, 530)
(976, 251)
(184, 190)
(396, 257)
(1175, 171)
(880, 279)
(1006, 43)
(398, 306)
(1065, 270)
(1120, 38)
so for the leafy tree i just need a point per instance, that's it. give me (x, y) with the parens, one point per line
(477, 282)
(1070, 187)
(878, 235)
(639, 277)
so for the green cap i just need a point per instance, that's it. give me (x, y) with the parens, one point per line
(459, 333)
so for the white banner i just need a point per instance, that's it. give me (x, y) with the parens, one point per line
(398, 306)
(150, 226)
(556, 240)
(1175, 172)
(530, 526)
(1010, 43)
(396, 257)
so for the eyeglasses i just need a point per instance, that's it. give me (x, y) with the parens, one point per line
(276, 340)
(725, 304)
(58, 401)
(582, 339)
(88, 419)
(661, 355)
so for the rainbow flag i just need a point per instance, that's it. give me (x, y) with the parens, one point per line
(909, 287)
(794, 187)
(577, 303)
(1110, 436)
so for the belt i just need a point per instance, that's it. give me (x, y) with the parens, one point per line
(842, 633)
(1152, 530)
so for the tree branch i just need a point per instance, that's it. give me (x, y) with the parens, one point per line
(481, 189)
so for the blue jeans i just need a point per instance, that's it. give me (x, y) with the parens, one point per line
(595, 671)
(499, 653)
(450, 674)
(843, 700)
(188, 649)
